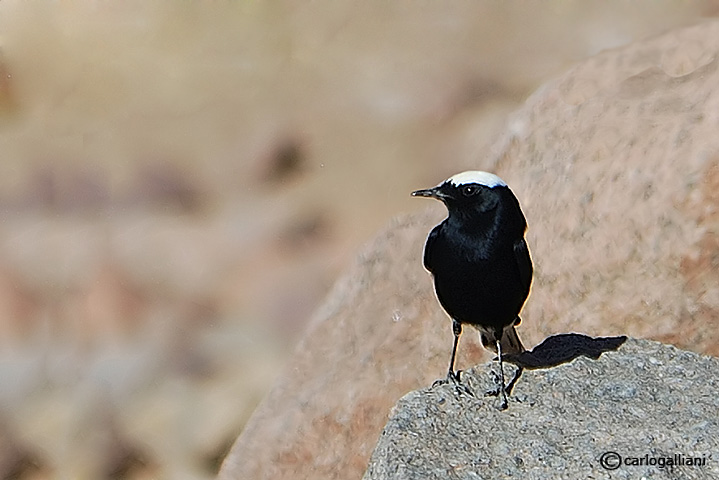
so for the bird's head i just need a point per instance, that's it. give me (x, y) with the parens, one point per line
(467, 193)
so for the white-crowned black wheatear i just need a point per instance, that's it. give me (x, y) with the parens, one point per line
(480, 262)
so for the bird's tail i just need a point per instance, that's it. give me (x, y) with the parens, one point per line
(511, 344)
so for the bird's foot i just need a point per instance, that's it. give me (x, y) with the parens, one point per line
(454, 379)
(495, 380)
(498, 391)
(503, 390)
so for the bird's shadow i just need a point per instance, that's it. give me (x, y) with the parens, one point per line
(564, 348)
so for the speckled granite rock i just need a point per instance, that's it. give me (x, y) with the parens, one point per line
(643, 403)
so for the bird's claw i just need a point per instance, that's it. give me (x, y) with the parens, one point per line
(498, 391)
(454, 379)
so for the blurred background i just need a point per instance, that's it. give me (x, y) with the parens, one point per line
(180, 183)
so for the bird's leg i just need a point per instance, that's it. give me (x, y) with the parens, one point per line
(457, 330)
(501, 390)
(452, 376)
(503, 404)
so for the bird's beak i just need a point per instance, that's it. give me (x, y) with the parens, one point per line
(429, 192)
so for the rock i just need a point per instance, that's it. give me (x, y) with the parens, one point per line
(645, 402)
(616, 165)
(375, 338)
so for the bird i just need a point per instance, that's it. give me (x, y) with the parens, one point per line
(480, 263)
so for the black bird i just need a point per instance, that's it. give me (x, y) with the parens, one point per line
(480, 262)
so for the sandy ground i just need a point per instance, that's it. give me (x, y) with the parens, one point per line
(181, 182)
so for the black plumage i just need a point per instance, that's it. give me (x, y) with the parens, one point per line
(480, 261)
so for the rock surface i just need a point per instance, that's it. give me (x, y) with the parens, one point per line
(580, 419)
(370, 343)
(616, 165)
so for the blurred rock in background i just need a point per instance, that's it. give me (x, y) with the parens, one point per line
(181, 183)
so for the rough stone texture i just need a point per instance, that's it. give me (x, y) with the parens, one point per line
(616, 165)
(645, 398)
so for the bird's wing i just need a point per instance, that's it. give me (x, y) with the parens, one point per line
(428, 250)
(524, 262)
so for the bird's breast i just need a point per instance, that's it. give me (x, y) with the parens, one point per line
(478, 284)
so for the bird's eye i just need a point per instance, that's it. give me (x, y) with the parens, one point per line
(469, 190)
